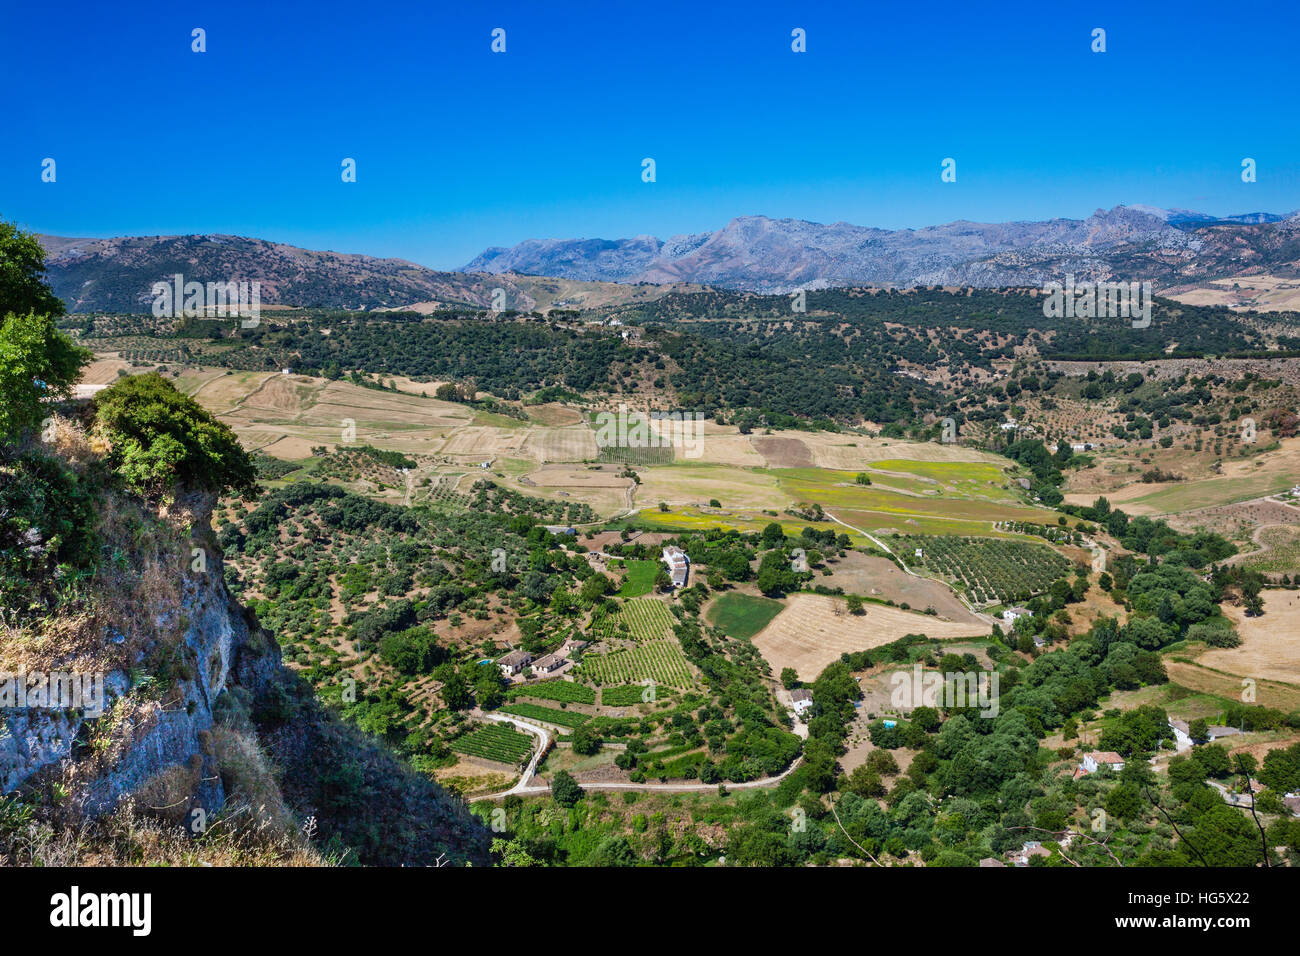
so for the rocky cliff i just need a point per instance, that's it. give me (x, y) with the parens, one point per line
(198, 721)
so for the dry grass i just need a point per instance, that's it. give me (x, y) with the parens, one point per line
(814, 631)
(132, 837)
(1270, 644)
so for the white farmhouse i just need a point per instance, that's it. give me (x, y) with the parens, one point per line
(678, 565)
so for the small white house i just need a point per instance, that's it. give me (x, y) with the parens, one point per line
(551, 662)
(514, 662)
(1099, 759)
(1012, 614)
(802, 699)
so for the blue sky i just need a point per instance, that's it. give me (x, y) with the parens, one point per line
(458, 148)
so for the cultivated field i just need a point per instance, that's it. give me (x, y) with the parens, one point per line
(813, 631)
(742, 615)
(661, 661)
(640, 619)
(880, 578)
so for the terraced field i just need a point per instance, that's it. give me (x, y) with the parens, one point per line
(643, 619)
(550, 715)
(623, 695)
(495, 742)
(566, 692)
(661, 661)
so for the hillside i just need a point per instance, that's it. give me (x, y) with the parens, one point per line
(116, 275)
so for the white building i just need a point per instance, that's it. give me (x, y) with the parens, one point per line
(1011, 614)
(678, 565)
(514, 662)
(802, 699)
(1092, 762)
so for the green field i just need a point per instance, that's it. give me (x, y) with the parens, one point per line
(622, 695)
(1191, 495)
(495, 742)
(988, 569)
(935, 497)
(660, 661)
(640, 578)
(636, 620)
(563, 691)
(550, 715)
(743, 615)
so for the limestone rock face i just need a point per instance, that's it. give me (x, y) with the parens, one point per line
(208, 642)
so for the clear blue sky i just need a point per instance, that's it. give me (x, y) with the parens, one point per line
(459, 148)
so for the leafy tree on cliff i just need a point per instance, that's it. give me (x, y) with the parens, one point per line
(161, 437)
(36, 360)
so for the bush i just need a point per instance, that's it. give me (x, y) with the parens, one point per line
(47, 520)
(161, 438)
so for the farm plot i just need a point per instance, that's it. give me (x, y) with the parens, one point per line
(990, 570)
(661, 661)
(640, 578)
(637, 620)
(814, 631)
(566, 692)
(622, 695)
(550, 715)
(1270, 643)
(495, 742)
(743, 615)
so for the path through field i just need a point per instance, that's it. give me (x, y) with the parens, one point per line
(902, 564)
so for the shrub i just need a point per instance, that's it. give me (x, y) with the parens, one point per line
(160, 438)
(47, 520)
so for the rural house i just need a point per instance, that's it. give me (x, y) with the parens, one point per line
(570, 647)
(551, 662)
(514, 662)
(802, 699)
(678, 565)
(1010, 615)
(1092, 762)
(1214, 733)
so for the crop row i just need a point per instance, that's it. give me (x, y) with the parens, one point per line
(495, 742)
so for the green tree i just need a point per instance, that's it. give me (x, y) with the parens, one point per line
(161, 438)
(37, 362)
(23, 287)
(585, 741)
(565, 789)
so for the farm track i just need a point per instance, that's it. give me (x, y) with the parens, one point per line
(522, 787)
(987, 618)
(1264, 547)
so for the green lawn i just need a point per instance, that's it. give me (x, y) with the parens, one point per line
(640, 578)
(743, 615)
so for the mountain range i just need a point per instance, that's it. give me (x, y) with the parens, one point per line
(1174, 248)
(777, 255)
